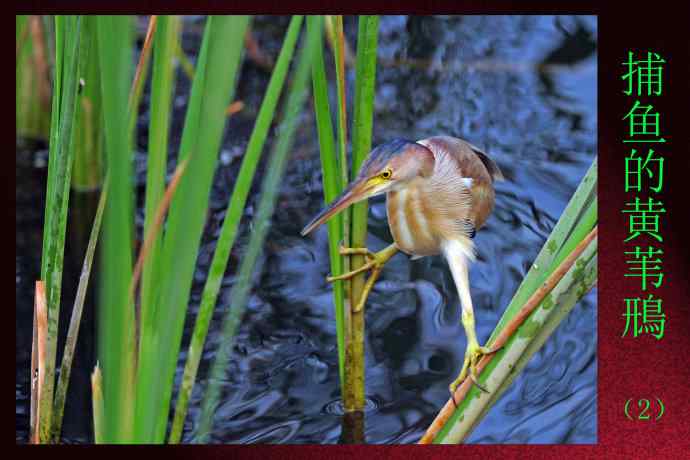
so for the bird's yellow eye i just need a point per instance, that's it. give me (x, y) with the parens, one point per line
(386, 174)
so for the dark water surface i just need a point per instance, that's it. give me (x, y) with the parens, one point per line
(521, 87)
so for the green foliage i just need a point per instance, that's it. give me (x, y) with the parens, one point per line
(362, 125)
(75, 320)
(231, 223)
(365, 68)
(68, 30)
(162, 91)
(270, 186)
(349, 227)
(332, 184)
(212, 89)
(88, 146)
(578, 218)
(140, 336)
(116, 309)
(140, 333)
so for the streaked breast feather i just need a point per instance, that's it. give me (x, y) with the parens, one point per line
(409, 223)
(403, 229)
(417, 220)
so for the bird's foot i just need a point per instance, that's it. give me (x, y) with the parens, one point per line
(473, 355)
(375, 262)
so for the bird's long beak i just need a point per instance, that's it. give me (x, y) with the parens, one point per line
(357, 191)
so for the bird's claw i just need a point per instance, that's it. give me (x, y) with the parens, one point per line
(366, 252)
(375, 262)
(473, 355)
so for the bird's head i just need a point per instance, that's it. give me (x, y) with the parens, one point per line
(389, 166)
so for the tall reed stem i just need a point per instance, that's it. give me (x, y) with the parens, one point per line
(361, 145)
(116, 314)
(332, 185)
(68, 33)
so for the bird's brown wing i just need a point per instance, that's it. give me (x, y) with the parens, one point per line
(490, 164)
(475, 165)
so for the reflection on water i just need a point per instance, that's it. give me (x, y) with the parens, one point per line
(524, 89)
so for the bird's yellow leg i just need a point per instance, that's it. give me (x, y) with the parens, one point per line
(375, 263)
(473, 353)
(458, 262)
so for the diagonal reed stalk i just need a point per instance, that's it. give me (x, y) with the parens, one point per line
(584, 276)
(140, 73)
(185, 63)
(571, 280)
(75, 319)
(231, 223)
(150, 238)
(563, 272)
(362, 125)
(296, 98)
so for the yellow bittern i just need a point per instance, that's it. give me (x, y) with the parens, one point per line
(439, 191)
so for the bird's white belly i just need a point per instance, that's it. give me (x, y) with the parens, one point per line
(409, 223)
